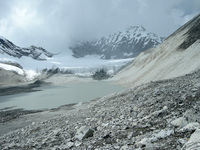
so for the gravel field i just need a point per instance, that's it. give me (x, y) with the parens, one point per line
(158, 115)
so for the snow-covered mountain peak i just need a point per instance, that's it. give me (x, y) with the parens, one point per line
(122, 44)
(136, 28)
(141, 32)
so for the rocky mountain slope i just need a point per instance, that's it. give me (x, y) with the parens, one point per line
(10, 78)
(38, 53)
(128, 44)
(177, 55)
(158, 115)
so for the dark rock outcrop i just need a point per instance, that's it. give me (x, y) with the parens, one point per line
(100, 75)
(34, 52)
(193, 34)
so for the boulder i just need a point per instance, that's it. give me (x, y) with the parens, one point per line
(190, 127)
(179, 122)
(84, 132)
(194, 141)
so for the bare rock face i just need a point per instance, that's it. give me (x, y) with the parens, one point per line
(193, 34)
(34, 52)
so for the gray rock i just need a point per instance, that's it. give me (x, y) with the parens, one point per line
(190, 127)
(192, 115)
(179, 122)
(70, 144)
(84, 132)
(194, 141)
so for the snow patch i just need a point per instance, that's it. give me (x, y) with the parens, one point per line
(31, 74)
(12, 68)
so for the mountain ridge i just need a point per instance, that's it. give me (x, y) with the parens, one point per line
(37, 53)
(127, 44)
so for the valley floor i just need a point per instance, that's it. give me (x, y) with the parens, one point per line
(158, 115)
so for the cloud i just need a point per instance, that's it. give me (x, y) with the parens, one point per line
(57, 24)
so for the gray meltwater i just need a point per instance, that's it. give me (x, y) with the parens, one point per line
(55, 96)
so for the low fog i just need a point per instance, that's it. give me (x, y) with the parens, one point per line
(58, 24)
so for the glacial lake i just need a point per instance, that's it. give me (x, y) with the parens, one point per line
(55, 96)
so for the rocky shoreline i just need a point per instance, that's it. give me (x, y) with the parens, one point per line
(158, 115)
(8, 114)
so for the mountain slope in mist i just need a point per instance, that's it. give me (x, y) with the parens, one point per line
(178, 55)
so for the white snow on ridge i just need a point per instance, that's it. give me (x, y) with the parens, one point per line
(3, 38)
(128, 54)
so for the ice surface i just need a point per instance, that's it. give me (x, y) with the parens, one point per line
(80, 66)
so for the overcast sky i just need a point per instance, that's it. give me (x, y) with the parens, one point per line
(57, 24)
